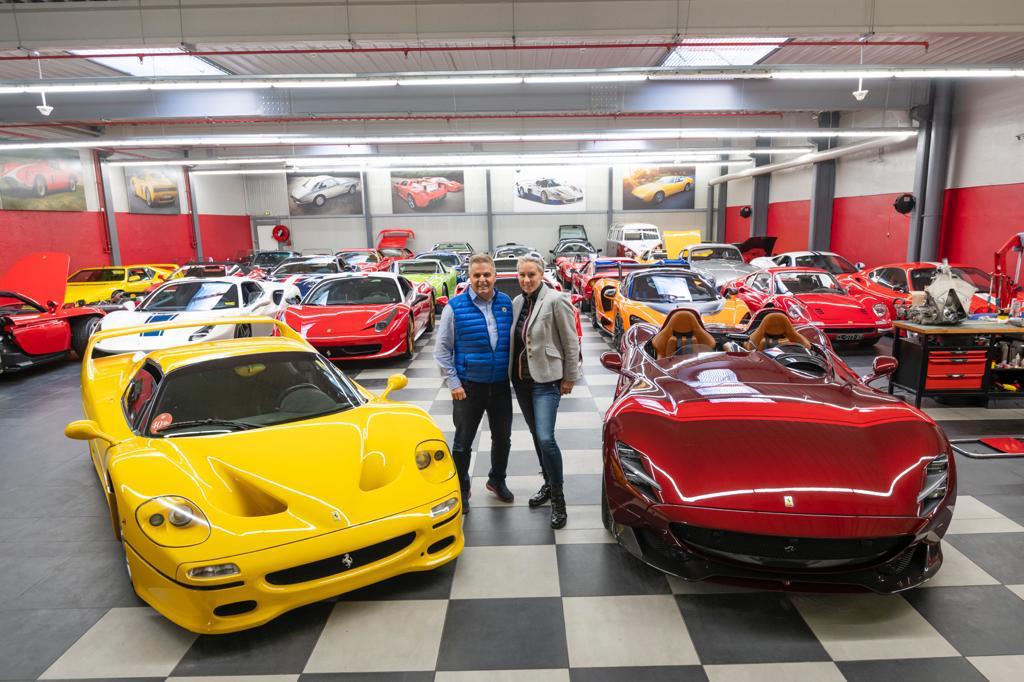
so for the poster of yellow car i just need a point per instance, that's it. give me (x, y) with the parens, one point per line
(153, 189)
(658, 188)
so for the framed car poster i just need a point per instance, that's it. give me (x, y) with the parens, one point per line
(652, 188)
(153, 190)
(428, 191)
(41, 180)
(549, 188)
(325, 194)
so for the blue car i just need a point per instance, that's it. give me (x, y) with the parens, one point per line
(450, 260)
(304, 274)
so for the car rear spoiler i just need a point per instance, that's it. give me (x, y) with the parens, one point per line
(633, 267)
(756, 247)
(282, 329)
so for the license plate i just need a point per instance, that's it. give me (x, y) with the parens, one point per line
(849, 337)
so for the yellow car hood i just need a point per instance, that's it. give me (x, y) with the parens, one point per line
(274, 485)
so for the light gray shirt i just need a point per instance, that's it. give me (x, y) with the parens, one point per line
(444, 346)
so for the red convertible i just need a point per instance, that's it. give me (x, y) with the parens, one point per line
(758, 455)
(814, 297)
(34, 328)
(419, 193)
(41, 177)
(364, 316)
(897, 281)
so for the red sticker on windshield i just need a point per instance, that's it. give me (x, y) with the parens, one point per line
(161, 422)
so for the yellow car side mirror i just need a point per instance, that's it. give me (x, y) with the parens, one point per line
(396, 382)
(86, 429)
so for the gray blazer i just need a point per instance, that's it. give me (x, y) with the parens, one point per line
(552, 345)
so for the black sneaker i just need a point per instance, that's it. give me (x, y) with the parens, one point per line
(465, 501)
(501, 491)
(542, 496)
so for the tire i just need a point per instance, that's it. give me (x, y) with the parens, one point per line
(659, 197)
(352, 189)
(410, 201)
(39, 186)
(543, 197)
(433, 315)
(117, 295)
(149, 199)
(410, 340)
(81, 330)
(606, 512)
(618, 332)
(520, 191)
(72, 184)
(444, 290)
(319, 200)
(243, 331)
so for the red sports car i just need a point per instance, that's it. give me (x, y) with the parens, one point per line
(761, 456)
(419, 193)
(364, 316)
(896, 282)
(41, 177)
(814, 297)
(34, 328)
(394, 244)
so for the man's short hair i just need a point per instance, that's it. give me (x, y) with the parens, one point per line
(484, 258)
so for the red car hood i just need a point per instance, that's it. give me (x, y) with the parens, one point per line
(324, 322)
(40, 276)
(836, 309)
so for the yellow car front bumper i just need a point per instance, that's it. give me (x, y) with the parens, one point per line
(273, 581)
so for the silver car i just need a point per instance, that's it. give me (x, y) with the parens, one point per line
(318, 189)
(549, 191)
(719, 262)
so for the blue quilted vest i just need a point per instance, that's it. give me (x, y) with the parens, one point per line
(474, 359)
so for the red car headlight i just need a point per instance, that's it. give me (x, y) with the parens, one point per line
(632, 463)
(935, 485)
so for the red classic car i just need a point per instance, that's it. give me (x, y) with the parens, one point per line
(394, 244)
(364, 316)
(419, 192)
(760, 456)
(896, 282)
(814, 297)
(41, 177)
(34, 328)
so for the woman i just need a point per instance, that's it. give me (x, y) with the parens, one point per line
(544, 365)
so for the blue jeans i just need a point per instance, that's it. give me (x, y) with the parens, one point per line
(539, 403)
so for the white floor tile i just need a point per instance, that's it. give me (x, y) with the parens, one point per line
(423, 361)
(968, 507)
(506, 572)
(1003, 525)
(999, 668)
(1017, 590)
(125, 642)
(584, 516)
(523, 487)
(957, 570)
(603, 403)
(237, 678)
(582, 462)
(377, 373)
(776, 672)
(855, 627)
(503, 676)
(426, 382)
(583, 536)
(626, 631)
(608, 379)
(380, 636)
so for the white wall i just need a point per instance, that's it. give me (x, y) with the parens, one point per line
(740, 192)
(219, 194)
(793, 184)
(987, 118)
(89, 184)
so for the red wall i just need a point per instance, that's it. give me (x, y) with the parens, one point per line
(869, 230)
(80, 234)
(224, 235)
(788, 221)
(737, 228)
(978, 220)
(155, 238)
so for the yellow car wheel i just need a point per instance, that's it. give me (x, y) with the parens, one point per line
(659, 197)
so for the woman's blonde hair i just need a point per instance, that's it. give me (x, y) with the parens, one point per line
(531, 258)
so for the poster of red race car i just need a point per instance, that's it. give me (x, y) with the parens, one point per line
(41, 180)
(428, 191)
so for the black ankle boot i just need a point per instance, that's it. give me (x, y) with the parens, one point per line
(558, 515)
(542, 496)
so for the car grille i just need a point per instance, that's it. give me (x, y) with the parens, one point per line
(341, 563)
(776, 551)
(350, 351)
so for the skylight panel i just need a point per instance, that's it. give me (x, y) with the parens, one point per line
(728, 54)
(153, 67)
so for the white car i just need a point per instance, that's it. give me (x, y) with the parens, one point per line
(319, 188)
(825, 260)
(201, 300)
(549, 191)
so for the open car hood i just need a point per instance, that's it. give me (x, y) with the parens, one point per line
(756, 247)
(40, 276)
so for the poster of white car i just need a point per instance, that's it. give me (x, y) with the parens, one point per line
(336, 194)
(545, 189)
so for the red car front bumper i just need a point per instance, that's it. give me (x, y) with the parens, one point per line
(366, 345)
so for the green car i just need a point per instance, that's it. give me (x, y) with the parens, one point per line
(442, 279)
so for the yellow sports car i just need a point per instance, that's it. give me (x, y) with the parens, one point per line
(247, 477)
(649, 295)
(663, 187)
(92, 285)
(154, 188)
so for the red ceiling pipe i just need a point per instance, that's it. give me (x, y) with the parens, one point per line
(476, 48)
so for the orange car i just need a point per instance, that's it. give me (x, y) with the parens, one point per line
(649, 295)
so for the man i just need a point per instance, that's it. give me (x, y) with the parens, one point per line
(472, 349)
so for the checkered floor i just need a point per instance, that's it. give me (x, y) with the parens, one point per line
(523, 602)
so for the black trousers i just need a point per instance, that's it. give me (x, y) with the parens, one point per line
(496, 401)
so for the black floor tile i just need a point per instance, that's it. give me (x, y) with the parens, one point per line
(911, 670)
(91, 580)
(748, 628)
(409, 394)
(964, 428)
(504, 634)
(33, 639)
(577, 404)
(280, 647)
(419, 676)
(978, 621)
(435, 584)
(583, 488)
(508, 526)
(598, 570)
(680, 673)
(520, 463)
(1011, 505)
(1001, 555)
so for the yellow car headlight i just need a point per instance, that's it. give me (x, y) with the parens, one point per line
(434, 461)
(172, 521)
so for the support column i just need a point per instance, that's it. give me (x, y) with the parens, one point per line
(760, 198)
(823, 188)
(723, 204)
(197, 237)
(367, 215)
(923, 115)
(709, 215)
(108, 211)
(490, 214)
(611, 201)
(938, 168)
